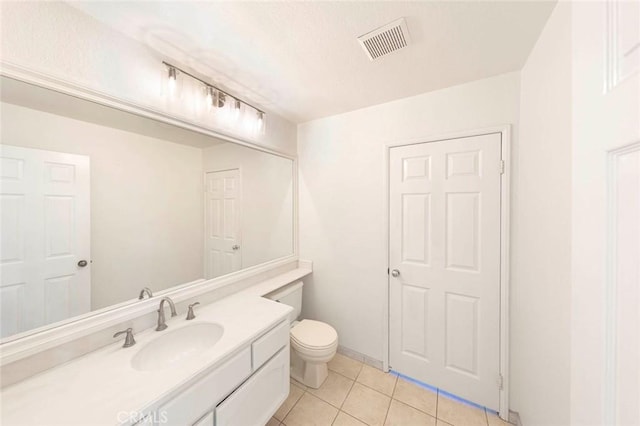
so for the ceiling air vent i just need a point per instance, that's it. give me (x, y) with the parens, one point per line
(389, 38)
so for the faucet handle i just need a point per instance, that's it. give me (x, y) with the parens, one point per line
(128, 340)
(190, 314)
(146, 290)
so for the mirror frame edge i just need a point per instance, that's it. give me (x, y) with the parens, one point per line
(47, 337)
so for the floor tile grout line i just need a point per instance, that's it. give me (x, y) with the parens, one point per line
(393, 391)
(348, 393)
(337, 372)
(415, 408)
(375, 390)
(353, 383)
(386, 415)
(367, 386)
(345, 398)
(293, 406)
(390, 400)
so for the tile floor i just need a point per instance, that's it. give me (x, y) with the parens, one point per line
(356, 394)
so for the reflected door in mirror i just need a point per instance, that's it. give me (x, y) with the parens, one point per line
(223, 209)
(45, 237)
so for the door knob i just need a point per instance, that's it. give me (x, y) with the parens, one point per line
(395, 273)
(82, 263)
(235, 247)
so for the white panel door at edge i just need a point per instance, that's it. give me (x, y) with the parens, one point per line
(223, 207)
(445, 255)
(45, 237)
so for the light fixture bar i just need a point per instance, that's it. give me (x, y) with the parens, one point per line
(211, 85)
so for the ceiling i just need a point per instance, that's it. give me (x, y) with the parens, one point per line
(302, 59)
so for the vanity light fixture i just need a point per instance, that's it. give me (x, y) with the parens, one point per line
(215, 98)
(171, 82)
(172, 76)
(236, 108)
(221, 99)
(210, 96)
(260, 124)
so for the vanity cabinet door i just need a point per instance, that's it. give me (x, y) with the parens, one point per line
(253, 403)
(202, 396)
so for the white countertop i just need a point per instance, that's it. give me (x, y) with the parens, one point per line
(95, 388)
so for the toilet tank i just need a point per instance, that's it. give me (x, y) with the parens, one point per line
(290, 295)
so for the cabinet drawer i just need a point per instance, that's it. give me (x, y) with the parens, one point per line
(269, 344)
(253, 403)
(202, 396)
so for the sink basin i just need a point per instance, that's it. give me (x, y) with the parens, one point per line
(177, 346)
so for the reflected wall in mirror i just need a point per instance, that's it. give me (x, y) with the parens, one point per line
(97, 203)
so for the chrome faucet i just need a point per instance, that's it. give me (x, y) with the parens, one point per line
(190, 314)
(146, 290)
(161, 321)
(129, 340)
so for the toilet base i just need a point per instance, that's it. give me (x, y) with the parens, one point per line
(312, 374)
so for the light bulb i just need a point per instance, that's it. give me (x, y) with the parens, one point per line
(222, 99)
(235, 114)
(210, 96)
(260, 123)
(172, 83)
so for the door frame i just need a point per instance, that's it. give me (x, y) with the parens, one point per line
(505, 209)
(204, 218)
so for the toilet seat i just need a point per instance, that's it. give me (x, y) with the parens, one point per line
(310, 336)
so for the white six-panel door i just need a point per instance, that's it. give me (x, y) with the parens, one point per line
(45, 223)
(223, 252)
(445, 246)
(625, 324)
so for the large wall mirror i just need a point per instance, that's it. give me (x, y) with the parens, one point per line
(97, 203)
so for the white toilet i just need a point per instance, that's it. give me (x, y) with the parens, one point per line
(313, 343)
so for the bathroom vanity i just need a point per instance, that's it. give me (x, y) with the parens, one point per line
(239, 377)
(59, 363)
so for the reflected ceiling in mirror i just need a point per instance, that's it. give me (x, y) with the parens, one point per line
(98, 203)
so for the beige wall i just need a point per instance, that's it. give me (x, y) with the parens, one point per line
(342, 196)
(146, 201)
(541, 231)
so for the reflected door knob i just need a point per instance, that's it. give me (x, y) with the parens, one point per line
(82, 263)
(395, 273)
(235, 247)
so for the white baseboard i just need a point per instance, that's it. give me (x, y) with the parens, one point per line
(360, 357)
(514, 418)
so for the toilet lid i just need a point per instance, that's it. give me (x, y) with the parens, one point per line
(314, 334)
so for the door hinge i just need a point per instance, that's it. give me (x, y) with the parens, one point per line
(500, 382)
(501, 167)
